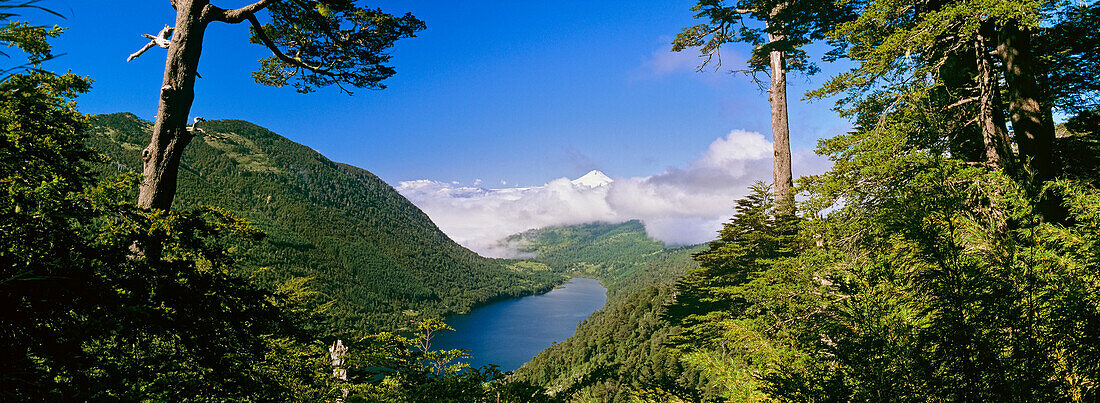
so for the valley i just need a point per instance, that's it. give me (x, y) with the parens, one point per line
(378, 262)
(375, 260)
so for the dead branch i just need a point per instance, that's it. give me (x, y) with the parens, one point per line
(233, 16)
(163, 39)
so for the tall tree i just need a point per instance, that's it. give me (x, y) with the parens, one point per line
(946, 60)
(787, 26)
(314, 43)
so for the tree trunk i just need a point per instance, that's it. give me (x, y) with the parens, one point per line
(781, 144)
(1031, 116)
(781, 173)
(1032, 121)
(994, 136)
(161, 159)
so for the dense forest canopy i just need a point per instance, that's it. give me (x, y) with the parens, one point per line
(951, 251)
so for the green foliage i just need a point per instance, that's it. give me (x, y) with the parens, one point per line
(787, 26)
(87, 319)
(746, 246)
(912, 276)
(184, 327)
(902, 48)
(1068, 53)
(941, 282)
(41, 174)
(916, 75)
(741, 309)
(914, 272)
(332, 42)
(32, 40)
(371, 253)
(963, 295)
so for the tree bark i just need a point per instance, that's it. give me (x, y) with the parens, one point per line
(994, 135)
(782, 179)
(1032, 120)
(781, 173)
(161, 159)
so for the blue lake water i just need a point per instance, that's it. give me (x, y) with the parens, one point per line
(510, 333)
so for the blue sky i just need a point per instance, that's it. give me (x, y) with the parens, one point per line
(515, 91)
(496, 95)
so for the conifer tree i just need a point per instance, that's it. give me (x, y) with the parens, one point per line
(949, 59)
(776, 50)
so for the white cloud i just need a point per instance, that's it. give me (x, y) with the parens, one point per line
(682, 205)
(663, 61)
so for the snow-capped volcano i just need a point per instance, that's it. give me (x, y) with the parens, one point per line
(592, 179)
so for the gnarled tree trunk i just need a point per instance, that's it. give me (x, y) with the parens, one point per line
(161, 159)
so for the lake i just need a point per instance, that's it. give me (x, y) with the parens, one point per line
(511, 332)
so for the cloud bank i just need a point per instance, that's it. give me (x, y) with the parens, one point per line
(682, 205)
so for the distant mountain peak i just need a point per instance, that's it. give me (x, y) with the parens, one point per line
(592, 179)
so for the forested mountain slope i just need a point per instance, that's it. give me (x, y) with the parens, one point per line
(372, 253)
(619, 255)
(620, 350)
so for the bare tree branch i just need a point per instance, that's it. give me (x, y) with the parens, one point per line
(235, 15)
(140, 51)
(962, 102)
(163, 39)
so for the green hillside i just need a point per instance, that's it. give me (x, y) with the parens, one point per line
(620, 350)
(374, 255)
(620, 255)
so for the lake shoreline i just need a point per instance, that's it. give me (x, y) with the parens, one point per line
(510, 332)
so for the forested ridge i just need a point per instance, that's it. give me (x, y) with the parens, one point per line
(371, 253)
(619, 254)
